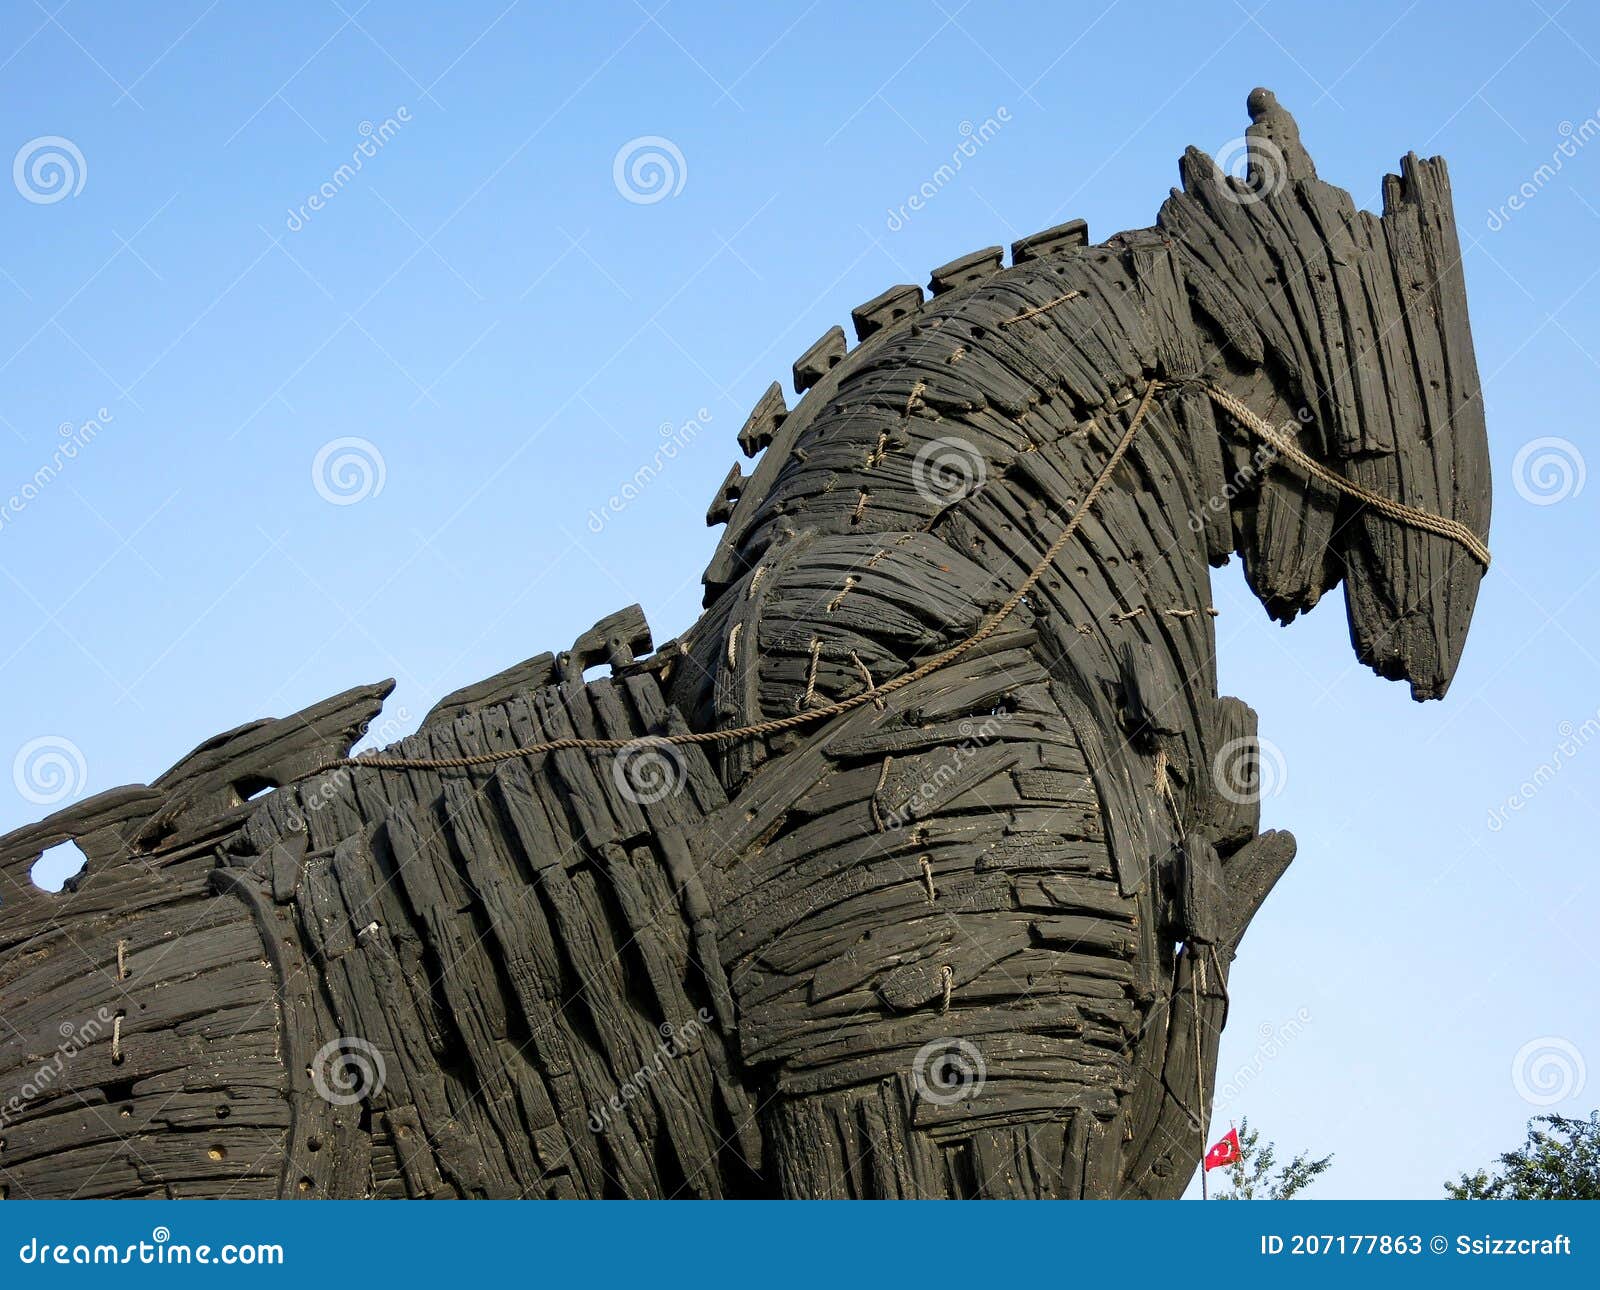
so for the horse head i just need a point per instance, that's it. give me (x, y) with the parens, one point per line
(1357, 325)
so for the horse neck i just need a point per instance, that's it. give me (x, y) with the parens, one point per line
(928, 412)
(981, 420)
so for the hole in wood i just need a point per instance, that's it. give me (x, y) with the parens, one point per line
(313, 1144)
(249, 787)
(223, 1112)
(305, 1184)
(217, 1153)
(60, 863)
(120, 1090)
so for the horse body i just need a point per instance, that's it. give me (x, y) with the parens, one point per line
(968, 938)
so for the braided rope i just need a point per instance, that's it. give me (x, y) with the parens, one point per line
(1286, 448)
(990, 625)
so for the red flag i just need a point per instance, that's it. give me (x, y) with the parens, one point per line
(1225, 1152)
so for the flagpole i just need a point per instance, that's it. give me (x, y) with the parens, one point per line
(1199, 1061)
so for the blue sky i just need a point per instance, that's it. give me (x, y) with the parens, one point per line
(504, 327)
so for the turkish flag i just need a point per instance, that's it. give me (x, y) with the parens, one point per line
(1225, 1152)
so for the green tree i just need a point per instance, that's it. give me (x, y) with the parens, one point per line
(1251, 1176)
(1559, 1161)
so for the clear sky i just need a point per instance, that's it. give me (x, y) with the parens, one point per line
(504, 316)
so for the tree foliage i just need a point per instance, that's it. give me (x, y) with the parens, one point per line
(1252, 1177)
(1559, 1161)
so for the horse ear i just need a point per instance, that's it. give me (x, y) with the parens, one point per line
(1274, 153)
(1358, 326)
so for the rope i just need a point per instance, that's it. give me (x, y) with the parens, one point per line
(1425, 520)
(1405, 514)
(776, 725)
(1039, 309)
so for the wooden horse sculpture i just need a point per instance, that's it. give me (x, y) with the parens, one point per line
(914, 868)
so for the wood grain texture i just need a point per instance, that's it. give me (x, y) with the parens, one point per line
(968, 939)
